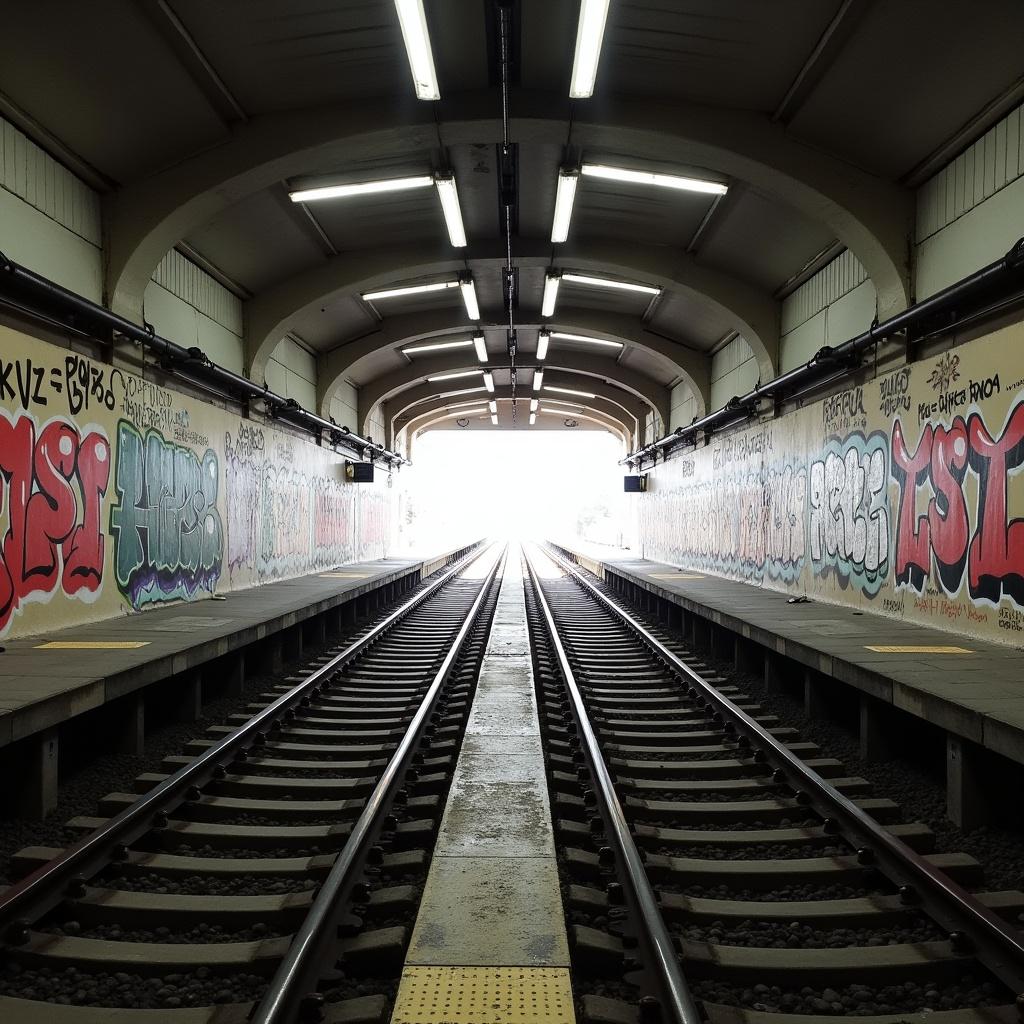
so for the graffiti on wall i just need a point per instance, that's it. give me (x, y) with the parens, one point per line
(53, 479)
(904, 494)
(168, 538)
(848, 511)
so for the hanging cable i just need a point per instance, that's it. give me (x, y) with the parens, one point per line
(508, 193)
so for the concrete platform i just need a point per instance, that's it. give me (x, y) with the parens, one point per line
(47, 679)
(490, 942)
(972, 689)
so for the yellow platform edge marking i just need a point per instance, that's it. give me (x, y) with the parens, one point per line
(915, 649)
(92, 645)
(484, 995)
(675, 576)
(344, 575)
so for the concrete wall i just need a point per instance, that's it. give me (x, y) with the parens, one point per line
(291, 371)
(117, 494)
(734, 371)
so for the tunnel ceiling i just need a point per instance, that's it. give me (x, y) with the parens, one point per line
(197, 120)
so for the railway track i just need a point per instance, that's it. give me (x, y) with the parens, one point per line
(272, 871)
(715, 866)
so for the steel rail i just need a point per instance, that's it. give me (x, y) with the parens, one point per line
(678, 1004)
(44, 889)
(972, 926)
(292, 991)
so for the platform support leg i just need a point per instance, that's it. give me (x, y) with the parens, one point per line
(190, 699)
(320, 629)
(814, 694)
(275, 654)
(701, 633)
(745, 655)
(874, 734)
(967, 803)
(235, 683)
(39, 795)
(773, 667)
(130, 723)
(295, 642)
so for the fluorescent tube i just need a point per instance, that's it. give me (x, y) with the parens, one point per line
(569, 391)
(538, 379)
(493, 406)
(494, 418)
(533, 405)
(435, 347)
(413, 289)
(417, 48)
(586, 338)
(449, 196)
(533, 418)
(359, 188)
(604, 282)
(564, 197)
(489, 381)
(677, 181)
(481, 347)
(469, 298)
(589, 36)
(551, 283)
(542, 345)
(465, 412)
(454, 376)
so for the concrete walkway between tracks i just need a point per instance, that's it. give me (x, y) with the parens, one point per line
(490, 941)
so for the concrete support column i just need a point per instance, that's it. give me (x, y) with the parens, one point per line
(295, 645)
(275, 653)
(190, 697)
(746, 655)
(701, 633)
(874, 730)
(318, 629)
(774, 666)
(235, 675)
(967, 802)
(129, 721)
(815, 701)
(38, 794)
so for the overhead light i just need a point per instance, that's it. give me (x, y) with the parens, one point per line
(494, 418)
(481, 347)
(542, 344)
(469, 297)
(465, 412)
(677, 181)
(564, 197)
(551, 283)
(586, 337)
(589, 36)
(435, 347)
(463, 391)
(493, 406)
(412, 289)
(454, 376)
(538, 379)
(360, 188)
(489, 381)
(449, 196)
(567, 405)
(417, 48)
(533, 405)
(533, 418)
(605, 282)
(561, 412)
(569, 391)
(457, 405)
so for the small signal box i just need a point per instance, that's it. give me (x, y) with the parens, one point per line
(635, 483)
(359, 472)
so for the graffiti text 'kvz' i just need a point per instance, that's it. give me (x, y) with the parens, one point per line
(168, 538)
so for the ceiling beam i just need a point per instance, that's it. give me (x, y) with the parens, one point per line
(147, 217)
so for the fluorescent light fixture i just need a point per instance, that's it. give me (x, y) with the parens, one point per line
(676, 181)
(589, 36)
(586, 337)
(474, 401)
(465, 412)
(493, 406)
(463, 391)
(449, 196)
(538, 379)
(533, 418)
(481, 347)
(469, 298)
(551, 283)
(489, 381)
(412, 289)
(359, 188)
(455, 376)
(569, 391)
(435, 347)
(605, 282)
(533, 404)
(564, 198)
(561, 412)
(542, 345)
(417, 48)
(494, 418)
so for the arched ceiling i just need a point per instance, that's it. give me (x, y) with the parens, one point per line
(196, 120)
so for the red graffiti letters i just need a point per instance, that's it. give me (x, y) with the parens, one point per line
(51, 489)
(994, 557)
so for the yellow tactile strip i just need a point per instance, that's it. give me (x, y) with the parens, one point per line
(484, 995)
(916, 649)
(92, 645)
